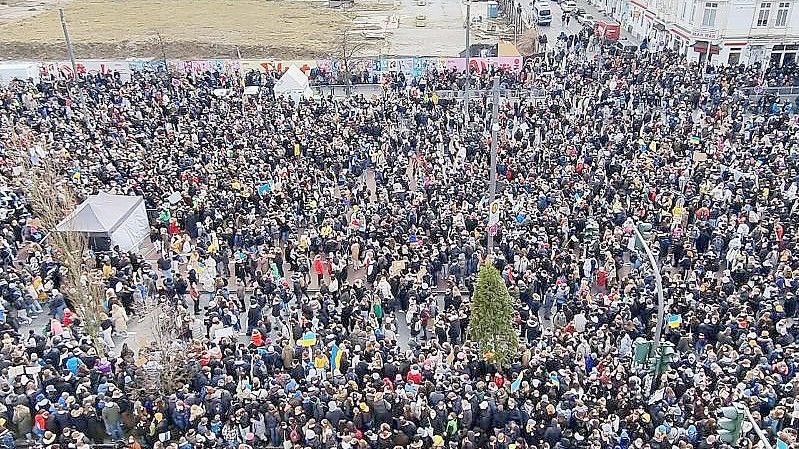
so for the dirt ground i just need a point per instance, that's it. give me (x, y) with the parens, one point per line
(288, 29)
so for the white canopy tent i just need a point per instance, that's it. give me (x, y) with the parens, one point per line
(120, 218)
(294, 84)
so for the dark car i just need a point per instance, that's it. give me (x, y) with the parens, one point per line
(620, 48)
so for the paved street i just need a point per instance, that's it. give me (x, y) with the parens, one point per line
(140, 332)
(140, 328)
(553, 31)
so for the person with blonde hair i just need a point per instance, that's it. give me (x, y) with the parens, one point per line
(120, 319)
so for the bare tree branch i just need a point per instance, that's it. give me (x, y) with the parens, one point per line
(52, 198)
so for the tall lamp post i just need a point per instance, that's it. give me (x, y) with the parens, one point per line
(661, 303)
(70, 50)
(492, 176)
(468, 62)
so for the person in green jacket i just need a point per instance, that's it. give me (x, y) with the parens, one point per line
(377, 309)
(452, 425)
(164, 215)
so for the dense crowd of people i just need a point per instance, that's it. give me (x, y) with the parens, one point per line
(327, 252)
(770, 75)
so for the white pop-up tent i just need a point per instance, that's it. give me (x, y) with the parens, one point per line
(294, 84)
(120, 218)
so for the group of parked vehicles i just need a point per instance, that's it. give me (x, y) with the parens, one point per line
(607, 29)
(542, 13)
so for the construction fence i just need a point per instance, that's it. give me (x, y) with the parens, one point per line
(319, 68)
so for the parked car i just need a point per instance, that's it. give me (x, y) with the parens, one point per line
(568, 6)
(621, 48)
(542, 14)
(585, 17)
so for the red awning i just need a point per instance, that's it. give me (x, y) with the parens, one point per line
(702, 47)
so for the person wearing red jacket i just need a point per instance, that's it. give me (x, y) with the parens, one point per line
(499, 380)
(414, 376)
(257, 339)
(319, 268)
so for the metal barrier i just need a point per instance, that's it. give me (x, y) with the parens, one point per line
(21, 444)
(785, 91)
(507, 93)
(338, 90)
(341, 89)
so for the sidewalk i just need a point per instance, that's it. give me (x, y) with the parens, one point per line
(594, 11)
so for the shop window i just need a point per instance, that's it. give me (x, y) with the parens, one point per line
(775, 60)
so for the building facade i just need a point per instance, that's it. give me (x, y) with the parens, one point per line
(725, 31)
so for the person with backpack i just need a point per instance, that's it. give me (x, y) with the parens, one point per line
(293, 434)
(6, 437)
(426, 321)
(57, 304)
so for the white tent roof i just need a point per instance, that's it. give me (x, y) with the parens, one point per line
(292, 81)
(101, 213)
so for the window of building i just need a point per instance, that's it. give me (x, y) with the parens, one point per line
(684, 11)
(762, 15)
(709, 16)
(781, 19)
(735, 56)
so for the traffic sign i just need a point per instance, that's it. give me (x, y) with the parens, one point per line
(493, 213)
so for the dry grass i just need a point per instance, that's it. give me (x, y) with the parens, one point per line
(189, 28)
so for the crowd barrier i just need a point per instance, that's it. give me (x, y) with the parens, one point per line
(506, 93)
(340, 89)
(27, 445)
(122, 445)
(786, 91)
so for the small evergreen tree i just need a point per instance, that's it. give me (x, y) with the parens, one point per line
(491, 324)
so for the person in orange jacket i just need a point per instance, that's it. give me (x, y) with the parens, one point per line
(133, 444)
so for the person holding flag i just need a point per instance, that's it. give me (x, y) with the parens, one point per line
(517, 384)
(336, 354)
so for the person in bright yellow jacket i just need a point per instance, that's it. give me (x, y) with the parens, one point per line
(321, 363)
(326, 231)
(214, 246)
(108, 270)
